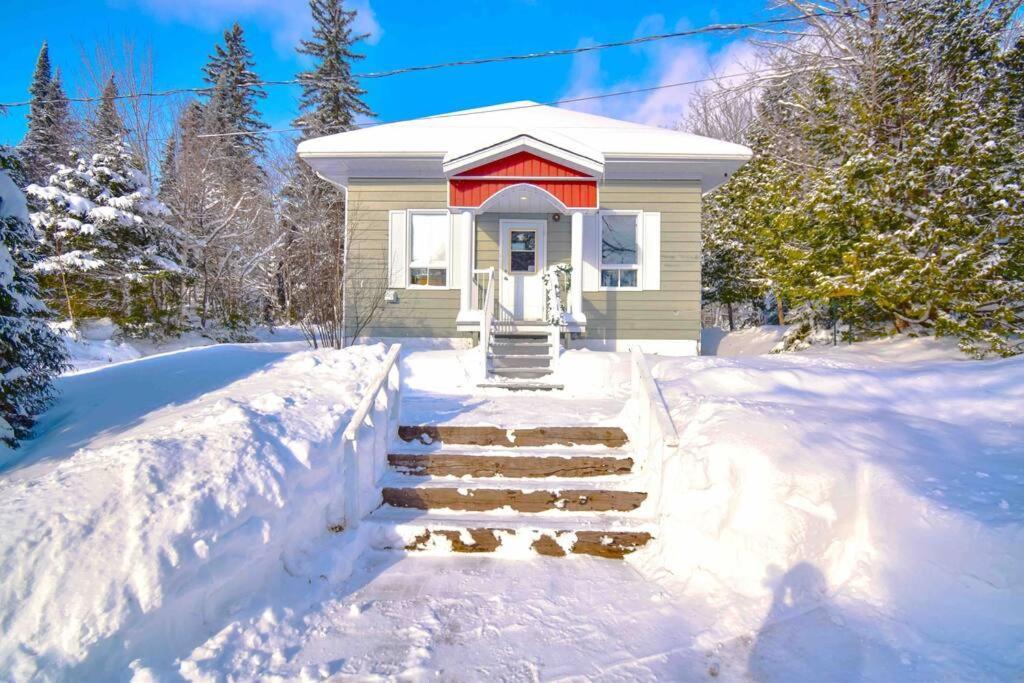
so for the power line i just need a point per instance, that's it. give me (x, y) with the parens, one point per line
(550, 103)
(710, 28)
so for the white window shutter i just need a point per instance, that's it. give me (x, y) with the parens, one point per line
(456, 251)
(591, 253)
(650, 267)
(398, 242)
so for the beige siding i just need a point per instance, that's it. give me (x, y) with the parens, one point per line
(672, 312)
(419, 312)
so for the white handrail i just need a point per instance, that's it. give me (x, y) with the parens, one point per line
(364, 461)
(486, 319)
(653, 398)
(363, 409)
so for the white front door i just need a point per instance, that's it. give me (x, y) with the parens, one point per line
(523, 259)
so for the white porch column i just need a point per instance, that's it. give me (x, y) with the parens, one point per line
(576, 276)
(466, 227)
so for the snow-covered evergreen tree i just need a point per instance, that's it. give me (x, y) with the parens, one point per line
(886, 181)
(107, 249)
(312, 210)
(331, 97)
(236, 90)
(50, 124)
(30, 353)
(108, 130)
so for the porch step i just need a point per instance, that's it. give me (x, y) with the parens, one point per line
(520, 385)
(522, 348)
(490, 465)
(516, 437)
(520, 362)
(601, 535)
(480, 499)
(521, 373)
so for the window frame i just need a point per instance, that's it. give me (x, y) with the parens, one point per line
(637, 268)
(409, 214)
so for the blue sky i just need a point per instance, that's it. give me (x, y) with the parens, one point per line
(181, 34)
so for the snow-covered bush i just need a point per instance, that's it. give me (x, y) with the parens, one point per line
(30, 353)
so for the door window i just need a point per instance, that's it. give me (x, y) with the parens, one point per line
(523, 251)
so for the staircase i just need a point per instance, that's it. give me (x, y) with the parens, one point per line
(521, 356)
(545, 490)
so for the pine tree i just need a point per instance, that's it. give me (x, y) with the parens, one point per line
(232, 103)
(50, 125)
(331, 98)
(30, 353)
(313, 266)
(108, 130)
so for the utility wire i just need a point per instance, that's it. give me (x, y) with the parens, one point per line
(531, 105)
(710, 28)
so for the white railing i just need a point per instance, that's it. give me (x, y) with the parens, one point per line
(656, 433)
(486, 318)
(364, 443)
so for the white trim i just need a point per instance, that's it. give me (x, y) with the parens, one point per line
(639, 267)
(590, 163)
(555, 201)
(408, 246)
(576, 261)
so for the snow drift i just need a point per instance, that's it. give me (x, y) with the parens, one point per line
(162, 495)
(849, 518)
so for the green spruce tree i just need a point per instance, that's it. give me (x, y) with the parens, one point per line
(31, 354)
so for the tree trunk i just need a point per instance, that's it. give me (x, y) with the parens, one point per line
(732, 324)
(778, 304)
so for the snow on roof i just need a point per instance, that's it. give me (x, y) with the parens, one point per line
(459, 133)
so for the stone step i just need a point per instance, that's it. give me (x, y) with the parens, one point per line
(490, 465)
(477, 499)
(598, 535)
(516, 437)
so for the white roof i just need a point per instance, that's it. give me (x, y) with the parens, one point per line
(457, 134)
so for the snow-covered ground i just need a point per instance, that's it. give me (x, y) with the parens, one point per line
(97, 344)
(849, 513)
(163, 495)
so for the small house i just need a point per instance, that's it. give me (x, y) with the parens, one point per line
(520, 222)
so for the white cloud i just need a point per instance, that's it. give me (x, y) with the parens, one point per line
(667, 61)
(289, 20)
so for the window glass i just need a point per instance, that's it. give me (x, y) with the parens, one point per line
(523, 255)
(428, 239)
(618, 240)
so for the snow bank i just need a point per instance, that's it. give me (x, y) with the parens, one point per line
(861, 512)
(750, 341)
(165, 494)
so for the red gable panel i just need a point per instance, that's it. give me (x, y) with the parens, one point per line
(472, 193)
(524, 164)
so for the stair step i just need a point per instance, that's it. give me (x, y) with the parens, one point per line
(483, 499)
(598, 535)
(521, 373)
(521, 385)
(487, 465)
(514, 338)
(613, 437)
(520, 363)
